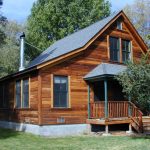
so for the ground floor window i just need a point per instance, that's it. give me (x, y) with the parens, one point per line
(60, 91)
(22, 93)
(4, 95)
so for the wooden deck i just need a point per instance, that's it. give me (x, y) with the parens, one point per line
(110, 121)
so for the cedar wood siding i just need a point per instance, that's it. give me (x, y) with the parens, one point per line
(41, 111)
(76, 68)
(29, 115)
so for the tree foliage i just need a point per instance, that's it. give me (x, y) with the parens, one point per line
(139, 14)
(9, 52)
(136, 82)
(51, 20)
(3, 22)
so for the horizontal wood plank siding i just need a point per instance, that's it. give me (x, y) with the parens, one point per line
(75, 68)
(29, 115)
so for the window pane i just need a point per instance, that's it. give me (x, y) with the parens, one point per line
(6, 95)
(60, 91)
(18, 94)
(125, 50)
(1, 96)
(63, 86)
(25, 94)
(57, 83)
(114, 49)
(63, 99)
(119, 25)
(56, 99)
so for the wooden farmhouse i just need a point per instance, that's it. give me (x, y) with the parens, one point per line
(70, 87)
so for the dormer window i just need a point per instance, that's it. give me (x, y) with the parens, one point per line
(119, 25)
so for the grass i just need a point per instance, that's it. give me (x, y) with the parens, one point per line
(11, 140)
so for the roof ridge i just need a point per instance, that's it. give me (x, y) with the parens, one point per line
(72, 42)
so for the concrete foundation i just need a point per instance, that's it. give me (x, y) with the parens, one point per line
(47, 130)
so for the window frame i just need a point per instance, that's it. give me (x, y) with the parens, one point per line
(21, 95)
(118, 51)
(120, 60)
(119, 25)
(125, 51)
(53, 92)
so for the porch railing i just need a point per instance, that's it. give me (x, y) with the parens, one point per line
(136, 116)
(117, 109)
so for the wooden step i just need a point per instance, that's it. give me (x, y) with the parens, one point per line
(146, 124)
(146, 117)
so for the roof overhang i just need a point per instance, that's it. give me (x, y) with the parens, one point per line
(104, 70)
(19, 73)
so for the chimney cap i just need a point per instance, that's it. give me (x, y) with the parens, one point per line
(22, 35)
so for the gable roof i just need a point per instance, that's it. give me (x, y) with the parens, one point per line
(105, 69)
(72, 42)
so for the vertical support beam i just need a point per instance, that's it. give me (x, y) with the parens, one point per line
(89, 111)
(120, 45)
(106, 98)
(130, 128)
(108, 49)
(39, 99)
(106, 129)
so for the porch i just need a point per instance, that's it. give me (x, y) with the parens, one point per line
(107, 104)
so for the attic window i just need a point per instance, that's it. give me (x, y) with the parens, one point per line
(119, 25)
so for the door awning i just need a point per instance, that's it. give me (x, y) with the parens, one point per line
(105, 70)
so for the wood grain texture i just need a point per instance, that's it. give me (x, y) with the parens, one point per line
(75, 66)
(27, 115)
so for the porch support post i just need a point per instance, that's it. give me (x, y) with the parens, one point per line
(106, 98)
(89, 102)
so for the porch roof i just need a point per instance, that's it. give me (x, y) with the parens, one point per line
(104, 70)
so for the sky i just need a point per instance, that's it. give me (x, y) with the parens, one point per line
(19, 10)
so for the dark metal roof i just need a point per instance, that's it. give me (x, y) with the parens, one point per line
(105, 69)
(72, 42)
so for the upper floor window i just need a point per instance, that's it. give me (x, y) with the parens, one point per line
(117, 49)
(114, 49)
(119, 25)
(60, 91)
(22, 93)
(125, 50)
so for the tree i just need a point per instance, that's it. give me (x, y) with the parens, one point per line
(136, 82)
(139, 15)
(9, 52)
(3, 22)
(52, 20)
